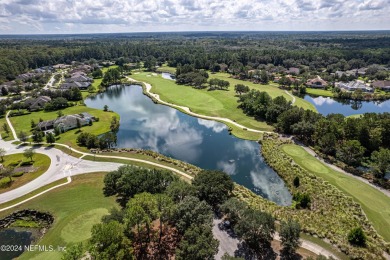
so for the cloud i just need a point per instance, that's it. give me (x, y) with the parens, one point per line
(188, 15)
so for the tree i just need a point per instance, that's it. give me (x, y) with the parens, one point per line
(23, 136)
(78, 123)
(50, 138)
(5, 128)
(129, 180)
(215, 187)
(57, 131)
(29, 153)
(351, 152)
(179, 189)
(191, 211)
(264, 77)
(241, 88)
(381, 161)
(60, 113)
(302, 200)
(114, 127)
(197, 243)
(357, 237)
(233, 209)
(7, 172)
(73, 252)
(109, 242)
(256, 228)
(33, 124)
(4, 91)
(105, 108)
(289, 235)
(37, 136)
(2, 154)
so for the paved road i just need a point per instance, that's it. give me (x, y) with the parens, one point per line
(62, 165)
(228, 244)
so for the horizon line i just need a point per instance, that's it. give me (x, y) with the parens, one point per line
(200, 31)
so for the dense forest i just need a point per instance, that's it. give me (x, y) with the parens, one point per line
(235, 51)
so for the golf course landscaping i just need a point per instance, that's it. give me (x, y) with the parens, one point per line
(76, 207)
(217, 103)
(332, 212)
(23, 170)
(375, 204)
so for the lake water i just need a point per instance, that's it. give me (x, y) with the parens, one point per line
(13, 237)
(327, 105)
(204, 143)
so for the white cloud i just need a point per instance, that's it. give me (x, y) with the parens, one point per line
(186, 15)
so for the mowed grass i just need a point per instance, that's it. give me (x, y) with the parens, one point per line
(41, 163)
(76, 207)
(375, 204)
(165, 68)
(217, 103)
(319, 92)
(23, 123)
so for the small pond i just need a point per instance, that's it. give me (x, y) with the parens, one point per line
(327, 105)
(10, 237)
(204, 143)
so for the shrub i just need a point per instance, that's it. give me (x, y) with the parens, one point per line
(357, 237)
(296, 182)
(303, 200)
(17, 174)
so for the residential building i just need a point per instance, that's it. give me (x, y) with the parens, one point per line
(382, 84)
(317, 82)
(67, 122)
(292, 70)
(354, 85)
(37, 103)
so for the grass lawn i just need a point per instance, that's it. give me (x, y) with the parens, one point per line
(76, 207)
(41, 163)
(211, 103)
(375, 204)
(165, 68)
(319, 92)
(23, 123)
(218, 103)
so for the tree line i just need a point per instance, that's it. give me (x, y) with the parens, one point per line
(163, 217)
(362, 141)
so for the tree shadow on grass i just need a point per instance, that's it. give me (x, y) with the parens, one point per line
(243, 251)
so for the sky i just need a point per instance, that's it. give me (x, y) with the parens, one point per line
(114, 16)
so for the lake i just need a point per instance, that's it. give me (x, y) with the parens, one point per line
(204, 143)
(327, 105)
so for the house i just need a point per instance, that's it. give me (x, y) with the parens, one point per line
(68, 122)
(354, 85)
(381, 84)
(77, 80)
(37, 103)
(46, 125)
(317, 82)
(292, 70)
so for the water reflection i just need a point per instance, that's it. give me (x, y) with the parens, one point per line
(204, 143)
(327, 105)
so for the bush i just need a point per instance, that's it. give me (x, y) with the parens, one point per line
(357, 237)
(296, 182)
(17, 174)
(303, 200)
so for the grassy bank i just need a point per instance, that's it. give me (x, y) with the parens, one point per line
(375, 204)
(210, 103)
(319, 92)
(332, 213)
(39, 165)
(76, 207)
(22, 123)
